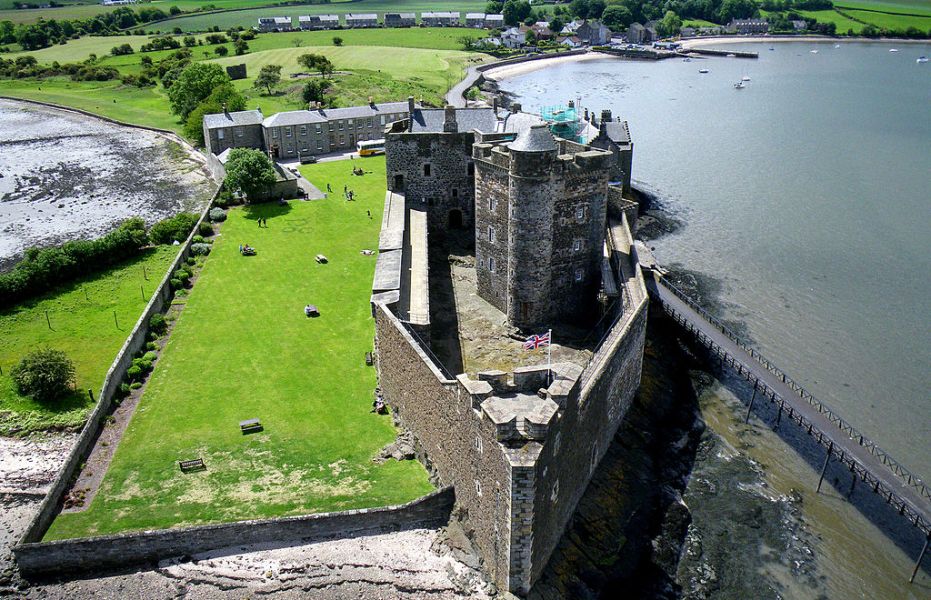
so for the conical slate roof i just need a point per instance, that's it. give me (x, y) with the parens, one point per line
(536, 139)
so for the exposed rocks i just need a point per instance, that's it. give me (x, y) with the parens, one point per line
(404, 447)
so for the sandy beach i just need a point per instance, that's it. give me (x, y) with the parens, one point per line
(514, 70)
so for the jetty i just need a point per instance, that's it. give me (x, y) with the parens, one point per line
(867, 462)
(713, 52)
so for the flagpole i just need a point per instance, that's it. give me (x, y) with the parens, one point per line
(549, 359)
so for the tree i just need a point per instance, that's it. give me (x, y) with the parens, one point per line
(223, 94)
(556, 24)
(269, 76)
(617, 17)
(194, 83)
(249, 170)
(174, 10)
(190, 41)
(515, 11)
(316, 62)
(221, 51)
(494, 7)
(580, 8)
(337, 41)
(241, 47)
(736, 9)
(669, 25)
(314, 91)
(596, 8)
(45, 375)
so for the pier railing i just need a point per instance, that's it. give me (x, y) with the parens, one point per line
(852, 432)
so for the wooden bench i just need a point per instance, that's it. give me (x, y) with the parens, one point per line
(369, 359)
(196, 464)
(311, 310)
(250, 426)
(321, 259)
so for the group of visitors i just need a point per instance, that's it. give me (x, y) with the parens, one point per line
(246, 250)
(263, 222)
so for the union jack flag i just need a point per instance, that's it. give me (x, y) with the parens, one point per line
(537, 341)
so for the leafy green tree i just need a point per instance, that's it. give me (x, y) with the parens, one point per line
(221, 51)
(596, 8)
(241, 47)
(617, 17)
(669, 25)
(579, 8)
(494, 7)
(196, 82)
(223, 94)
(314, 91)
(316, 62)
(45, 375)
(269, 76)
(515, 11)
(249, 170)
(337, 41)
(736, 9)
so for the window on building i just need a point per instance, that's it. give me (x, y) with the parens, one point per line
(478, 487)
(577, 246)
(304, 146)
(491, 234)
(383, 119)
(349, 123)
(426, 170)
(370, 122)
(319, 145)
(580, 213)
(478, 444)
(492, 203)
(288, 131)
(341, 125)
(275, 133)
(331, 126)
(220, 134)
(303, 129)
(290, 148)
(455, 193)
(238, 132)
(579, 274)
(491, 264)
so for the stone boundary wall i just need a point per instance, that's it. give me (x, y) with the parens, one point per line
(71, 468)
(80, 555)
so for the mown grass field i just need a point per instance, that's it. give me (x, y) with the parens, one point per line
(918, 7)
(242, 348)
(82, 327)
(249, 18)
(83, 9)
(892, 21)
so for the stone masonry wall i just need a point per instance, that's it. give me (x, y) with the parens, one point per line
(460, 445)
(449, 185)
(492, 207)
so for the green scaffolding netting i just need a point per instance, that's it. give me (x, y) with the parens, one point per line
(564, 121)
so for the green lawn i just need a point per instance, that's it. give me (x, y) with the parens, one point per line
(829, 16)
(892, 21)
(82, 327)
(249, 18)
(242, 348)
(915, 7)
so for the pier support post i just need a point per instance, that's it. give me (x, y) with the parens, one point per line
(825, 466)
(920, 556)
(750, 407)
(778, 417)
(853, 482)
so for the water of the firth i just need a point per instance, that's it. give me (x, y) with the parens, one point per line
(808, 195)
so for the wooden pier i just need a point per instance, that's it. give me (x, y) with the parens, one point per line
(713, 52)
(901, 489)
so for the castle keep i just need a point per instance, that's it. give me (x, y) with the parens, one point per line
(552, 249)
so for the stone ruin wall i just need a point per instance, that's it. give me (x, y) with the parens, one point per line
(450, 183)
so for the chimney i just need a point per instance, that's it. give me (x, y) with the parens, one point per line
(225, 110)
(449, 120)
(585, 118)
(605, 115)
(410, 105)
(572, 104)
(515, 107)
(371, 102)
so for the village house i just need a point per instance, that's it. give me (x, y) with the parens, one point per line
(593, 33)
(318, 22)
(268, 24)
(570, 41)
(494, 21)
(239, 129)
(514, 37)
(400, 20)
(541, 30)
(799, 24)
(475, 20)
(439, 19)
(748, 26)
(361, 20)
(687, 31)
(637, 34)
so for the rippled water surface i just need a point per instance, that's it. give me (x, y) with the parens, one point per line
(808, 195)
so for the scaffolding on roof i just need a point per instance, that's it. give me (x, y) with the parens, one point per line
(564, 121)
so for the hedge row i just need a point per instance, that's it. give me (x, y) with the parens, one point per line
(42, 269)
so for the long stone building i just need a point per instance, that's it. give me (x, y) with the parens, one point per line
(520, 447)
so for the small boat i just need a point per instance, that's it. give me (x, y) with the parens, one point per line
(921, 59)
(745, 78)
(686, 59)
(837, 45)
(771, 48)
(893, 49)
(703, 70)
(731, 56)
(739, 85)
(813, 51)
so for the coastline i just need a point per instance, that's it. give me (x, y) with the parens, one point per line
(781, 39)
(509, 71)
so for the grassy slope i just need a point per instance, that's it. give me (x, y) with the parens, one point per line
(83, 329)
(249, 18)
(917, 7)
(891, 21)
(243, 348)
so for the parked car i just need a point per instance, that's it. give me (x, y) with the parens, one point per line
(308, 159)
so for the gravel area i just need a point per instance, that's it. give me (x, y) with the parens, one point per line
(64, 175)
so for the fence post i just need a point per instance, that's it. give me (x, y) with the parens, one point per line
(920, 556)
(750, 407)
(825, 466)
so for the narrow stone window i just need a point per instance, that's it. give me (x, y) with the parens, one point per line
(455, 193)
(288, 132)
(491, 264)
(577, 246)
(303, 129)
(580, 213)
(478, 487)
(492, 204)
(471, 169)
(220, 134)
(426, 170)
(275, 133)
(491, 234)
(579, 274)
(478, 444)
(239, 132)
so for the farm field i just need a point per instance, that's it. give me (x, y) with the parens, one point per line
(243, 348)
(82, 327)
(829, 16)
(249, 18)
(892, 21)
(917, 7)
(83, 9)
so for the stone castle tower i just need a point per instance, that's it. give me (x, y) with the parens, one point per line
(540, 217)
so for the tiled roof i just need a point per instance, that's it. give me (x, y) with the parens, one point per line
(537, 138)
(432, 119)
(475, 16)
(618, 132)
(238, 118)
(301, 117)
(366, 16)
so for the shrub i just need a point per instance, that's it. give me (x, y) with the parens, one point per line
(135, 385)
(200, 249)
(134, 373)
(45, 375)
(124, 389)
(197, 239)
(173, 229)
(217, 215)
(43, 269)
(190, 261)
(176, 284)
(149, 356)
(181, 274)
(151, 346)
(205, 229)
(144, 365)
(157, 324)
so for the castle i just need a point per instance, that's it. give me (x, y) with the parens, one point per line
(553, 249)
